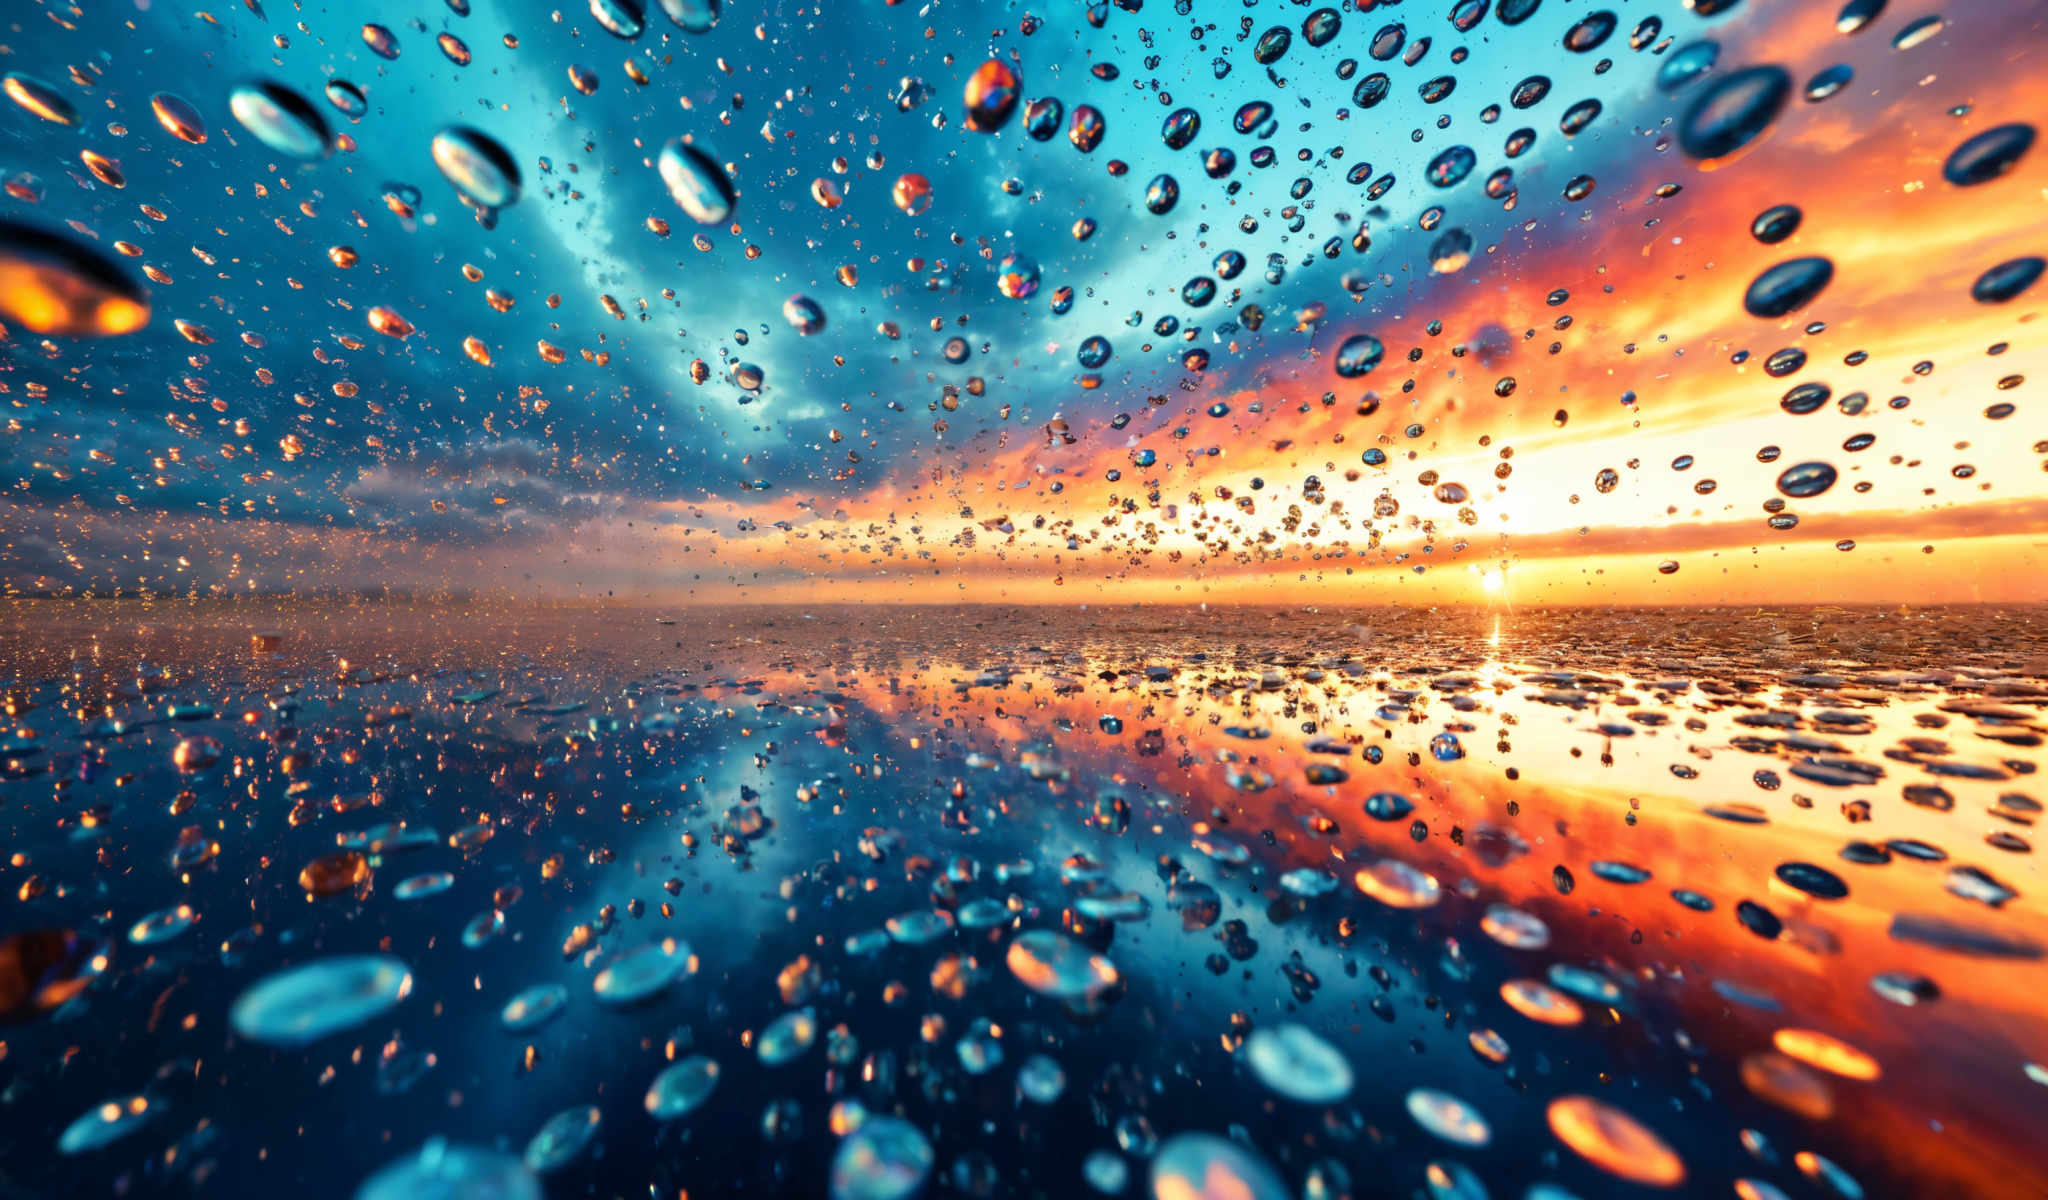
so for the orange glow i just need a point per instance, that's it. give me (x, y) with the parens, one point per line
(48, 301)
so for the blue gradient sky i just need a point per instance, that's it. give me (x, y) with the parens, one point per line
(436, 450)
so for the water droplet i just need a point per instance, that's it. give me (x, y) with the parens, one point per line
(300, 1005)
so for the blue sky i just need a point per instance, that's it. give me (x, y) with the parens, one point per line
(433, 447)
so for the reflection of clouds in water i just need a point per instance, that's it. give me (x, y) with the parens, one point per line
(1735, 773)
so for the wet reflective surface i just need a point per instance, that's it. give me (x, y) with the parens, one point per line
(1203, 599)
(1015, 901)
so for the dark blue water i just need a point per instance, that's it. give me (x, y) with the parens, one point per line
(637, 790)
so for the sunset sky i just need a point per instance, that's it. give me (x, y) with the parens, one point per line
(287, 445)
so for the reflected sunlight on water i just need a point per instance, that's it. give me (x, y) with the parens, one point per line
(1757, 883)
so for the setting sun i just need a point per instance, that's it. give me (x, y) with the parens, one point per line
(910, 601)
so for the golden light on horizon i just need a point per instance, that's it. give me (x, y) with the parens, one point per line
(1256, 599)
